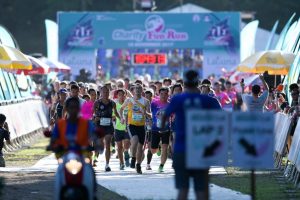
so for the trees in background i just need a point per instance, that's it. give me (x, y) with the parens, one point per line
(25, 19)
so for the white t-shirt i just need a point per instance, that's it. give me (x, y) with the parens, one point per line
(255, 104)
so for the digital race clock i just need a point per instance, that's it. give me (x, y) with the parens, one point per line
(149, 59)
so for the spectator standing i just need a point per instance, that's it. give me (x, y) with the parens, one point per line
(187, 59)
(255, 101)
(4, 135)
(293, 111)
(175, 60)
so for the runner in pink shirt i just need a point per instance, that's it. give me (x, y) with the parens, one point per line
(87, 107)
(223, 98)
(232, 94)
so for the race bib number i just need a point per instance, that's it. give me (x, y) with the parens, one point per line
(105, 121)
(137, 117)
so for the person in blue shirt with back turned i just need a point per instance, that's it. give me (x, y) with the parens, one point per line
(190, 98)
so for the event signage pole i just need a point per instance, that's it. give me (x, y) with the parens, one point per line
(251, 134)
(253, 186)
(207, 140)
(156, 72)
(253, 142)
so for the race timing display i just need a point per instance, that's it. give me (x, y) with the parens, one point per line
(149, 59)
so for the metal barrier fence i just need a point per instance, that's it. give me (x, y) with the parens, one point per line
(282, 131)
(25, 116)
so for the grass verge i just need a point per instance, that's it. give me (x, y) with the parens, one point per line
(268, 185)
(26, 157)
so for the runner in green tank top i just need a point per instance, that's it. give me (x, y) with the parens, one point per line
(121, 135)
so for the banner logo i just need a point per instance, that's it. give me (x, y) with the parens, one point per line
(154, 31)
(154, 23)
(82, 35)
(219, 35)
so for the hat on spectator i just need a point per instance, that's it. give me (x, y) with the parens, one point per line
(149, 90)
(63, 83)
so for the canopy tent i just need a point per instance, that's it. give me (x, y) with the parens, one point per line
(38, 67)
(274, 62)
(11, 58)
(56, 66)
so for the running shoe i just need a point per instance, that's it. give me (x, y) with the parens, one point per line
(94, 162)
(132, 164)
(113, 150)
(158, 152)
(126, 155)
(122, 166)
(95, 159)
(148, 167)
(161, 168)
(138, 169)
(127, 163)
(107, 169)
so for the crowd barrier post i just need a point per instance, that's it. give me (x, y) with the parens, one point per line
(253, 184)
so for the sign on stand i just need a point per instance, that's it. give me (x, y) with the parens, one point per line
(253, 139)
(207, 138)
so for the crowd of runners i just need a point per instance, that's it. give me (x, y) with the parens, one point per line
(130, 112)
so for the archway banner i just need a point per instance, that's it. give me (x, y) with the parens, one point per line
(148, 30)
(216, 33)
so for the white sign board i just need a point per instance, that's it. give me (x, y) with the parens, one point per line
(253, 139)
(206, 139)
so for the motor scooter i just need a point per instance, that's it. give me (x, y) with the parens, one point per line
(75, 176)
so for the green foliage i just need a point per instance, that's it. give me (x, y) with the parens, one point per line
(25, 18)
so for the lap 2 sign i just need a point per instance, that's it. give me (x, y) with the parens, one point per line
(209, 132)
(207, 138)
(253, 139)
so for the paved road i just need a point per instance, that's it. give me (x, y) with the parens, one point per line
(150, 185)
